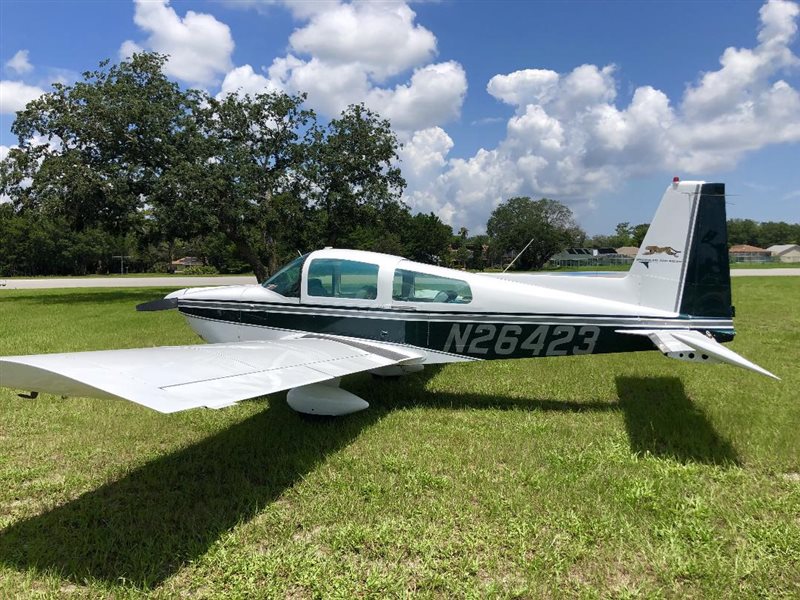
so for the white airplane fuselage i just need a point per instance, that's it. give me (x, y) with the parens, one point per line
(498, 318)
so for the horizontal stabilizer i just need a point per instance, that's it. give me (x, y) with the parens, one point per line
(695, 347)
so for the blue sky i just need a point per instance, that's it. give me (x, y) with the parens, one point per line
(597, 104)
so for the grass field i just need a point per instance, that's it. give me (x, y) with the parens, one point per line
(606, 476)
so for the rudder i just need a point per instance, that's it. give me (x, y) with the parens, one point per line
(707, 282)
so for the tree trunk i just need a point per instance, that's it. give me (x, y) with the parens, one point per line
(250, 256)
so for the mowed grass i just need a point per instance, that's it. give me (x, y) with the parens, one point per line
(606, 476)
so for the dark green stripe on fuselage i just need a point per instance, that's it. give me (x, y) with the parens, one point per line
(462, 337)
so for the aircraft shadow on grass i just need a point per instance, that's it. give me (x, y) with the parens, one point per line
(90, 296)
(144, 527)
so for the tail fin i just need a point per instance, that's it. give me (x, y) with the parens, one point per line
(682, 265)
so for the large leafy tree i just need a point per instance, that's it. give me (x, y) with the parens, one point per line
(547, 224)
(128, 149)
(354, 178)
(243, 175)
(94, 151)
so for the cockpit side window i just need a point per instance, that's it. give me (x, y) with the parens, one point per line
(286, 282)
(337, 278)
(410, 286)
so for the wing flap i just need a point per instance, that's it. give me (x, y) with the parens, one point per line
(690, 345)
(171, 379)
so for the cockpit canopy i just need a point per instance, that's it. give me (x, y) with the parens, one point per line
(360, 276)
(286, 281)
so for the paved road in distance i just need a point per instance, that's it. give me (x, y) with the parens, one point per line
(118, 282)
(765, 272)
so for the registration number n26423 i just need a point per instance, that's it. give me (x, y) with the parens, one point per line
(527, 340)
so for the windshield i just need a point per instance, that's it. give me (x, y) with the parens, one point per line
(286, 282)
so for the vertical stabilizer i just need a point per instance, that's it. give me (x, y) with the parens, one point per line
(682, 265)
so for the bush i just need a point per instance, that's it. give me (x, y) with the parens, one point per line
(161, 267)
(200, 270)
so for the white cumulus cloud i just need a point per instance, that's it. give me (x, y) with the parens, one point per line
(199, 45)
(432, 97)
(14, 95)
(19, 63)
(569, 139)
(424, 154)
(343, 53)
(380, 37)
(245, 80)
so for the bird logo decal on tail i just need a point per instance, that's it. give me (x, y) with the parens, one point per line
(668, 250)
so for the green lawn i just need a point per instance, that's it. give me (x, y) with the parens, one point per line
(594, 476)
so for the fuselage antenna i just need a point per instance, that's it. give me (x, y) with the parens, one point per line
(518, 255)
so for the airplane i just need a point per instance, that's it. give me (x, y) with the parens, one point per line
(335, 312)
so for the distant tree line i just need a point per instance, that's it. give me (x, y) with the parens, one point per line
(762, 234)
(624, 234)
(740, 231)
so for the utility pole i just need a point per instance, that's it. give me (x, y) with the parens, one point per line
(121, 258)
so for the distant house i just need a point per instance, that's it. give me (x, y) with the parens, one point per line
(786, 252)
(747, 253)
(631, 251)
(187, 261)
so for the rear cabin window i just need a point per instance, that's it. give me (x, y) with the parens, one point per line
(336, 278)
(410, 286)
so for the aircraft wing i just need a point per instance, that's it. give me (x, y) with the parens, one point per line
(174, 378)
(685, 344)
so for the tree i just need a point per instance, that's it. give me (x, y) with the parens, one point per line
(742, 231)
(242, 175)
(771, 233)
(94, 151)
(353, 173)
(427, 238)
(624, 234)
(128, 150)
(637, 234)
(478, 246)
(549, 223)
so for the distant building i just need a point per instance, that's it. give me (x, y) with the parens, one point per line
(579, 257)
(746, 253)
(786, 252)
(187, 261)
(631, 251)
